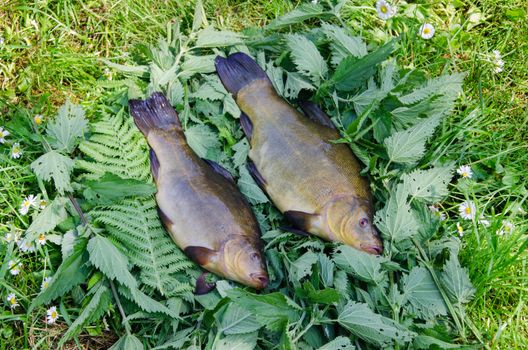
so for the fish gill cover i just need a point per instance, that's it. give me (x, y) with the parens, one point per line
(321, 295)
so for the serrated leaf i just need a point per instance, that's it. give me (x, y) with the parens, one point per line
(53, 165)
(127, 342)
(342, 44)
(424, 342)
(145, 302)
(361, 321)
(98, 305)
(326, 269)
(451, 84)
(67, 243)
(52, 215)
(241, 152)
(67, 129)
(307, 58)
(361, 265)
(110, 261)
(70, 273)
(133, 70)
(237, 320)
(408, 146)
(320, 296)
(302, 266)
(429, 185)
(110, 188)
(423, 297)
(456, 281)
(339, 343)
(396, 220)
(196, 65)
(199, 17)
(298, 15)
(231, 107)
(238, 342)
(249, 188)
(294, 84)
(208, 92)
(201, 139)
(272, 310)
(209, 37)
(175, 92)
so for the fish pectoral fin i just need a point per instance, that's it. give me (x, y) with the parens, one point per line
(154, 164)
(301, 220)
(315, 113)
(294, 230)
(202, 286)
(247, 126)
(220, 170)
(252, 168)
(200, 255)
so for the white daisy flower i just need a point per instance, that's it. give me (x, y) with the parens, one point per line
(14, 268)
(507, 227)
(52, 315)
(29, 201)
(497, 61)
(12, 300)
(484, 222)
(3, 133)
(26, 245)
(436, 211)
(465, 171)
(38, 119)
(10, 237)
(41, 239)
(467, 210)
(427, 31)
(385, 10)
(460, 230)
(43, 203)
(16, 151)
(1, 40)
(45, 283)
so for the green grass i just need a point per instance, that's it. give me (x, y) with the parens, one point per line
(52, 50)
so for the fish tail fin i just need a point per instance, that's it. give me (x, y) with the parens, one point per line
(153, 113)
(238, 70)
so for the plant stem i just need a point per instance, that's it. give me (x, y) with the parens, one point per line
(120, 307)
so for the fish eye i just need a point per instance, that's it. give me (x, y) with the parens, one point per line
(363, 222)
(253, 256)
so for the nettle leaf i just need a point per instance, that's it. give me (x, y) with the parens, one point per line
(451, 84)
(339, 343)
(408, 146)
(238, 342)
(199, 17)
(98, 305)
(201, 139)
(361, 265)
(428, 185)
(196, 65)
(298, 15)
(237, 320)
(109, 260)
(396, 220)
(302, 266)
(127, 342)
(241, 152)
(320, 296)
(424, 342)
(423, 297)
(342, 44)
(175, 92)
(272, 310)
(72, 272)
(307, 58)
(145, 302)
(294, 84)
(110, 188)
(53, 165)
(456, 281)
(361, 321)
(326, 269)
(209, 37)
(52, 215)
(249, 188)
(67, 129)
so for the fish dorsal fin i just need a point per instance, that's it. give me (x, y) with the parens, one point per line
(255, 174)
(154, 164)
(220, 170)
(247, 126)
(200, 255)
(315, 113)
(300, 220)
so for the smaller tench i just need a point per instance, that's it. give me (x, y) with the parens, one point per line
(315, 182)
(199, 202)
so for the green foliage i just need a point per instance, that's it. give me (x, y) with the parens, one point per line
(70, 125)
(53, 165)
(307, 58)
(111, 188)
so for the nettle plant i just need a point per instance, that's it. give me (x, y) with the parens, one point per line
(321, 295)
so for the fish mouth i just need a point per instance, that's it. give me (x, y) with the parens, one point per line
(259, 280)
(372, 249)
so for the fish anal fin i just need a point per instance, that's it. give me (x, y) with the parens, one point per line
(154, 164)
(202, 286)
(300, 220)
(200, 255)
(315, 113)
(251, 167)
(247, 126)
(220, 170)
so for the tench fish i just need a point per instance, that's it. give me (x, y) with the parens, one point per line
(199, 202)
(316, 183)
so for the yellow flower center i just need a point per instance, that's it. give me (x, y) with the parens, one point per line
(26, 204)
(12, 301)
(38, 119)
(384, 9)
(2, 134)
(16, 149)
(427, 30)
(54, 314)
(468, 210)
(42, 237)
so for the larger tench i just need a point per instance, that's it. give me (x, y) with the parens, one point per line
(198, 201)
(316, 183)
